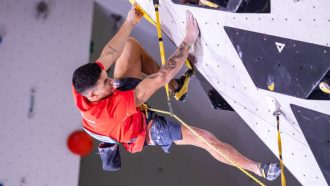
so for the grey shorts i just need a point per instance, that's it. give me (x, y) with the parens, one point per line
(164, 131)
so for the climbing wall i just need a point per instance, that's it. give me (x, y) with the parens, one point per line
(291, 43)
(38, 54)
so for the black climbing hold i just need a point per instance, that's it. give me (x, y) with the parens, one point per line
(218, 102)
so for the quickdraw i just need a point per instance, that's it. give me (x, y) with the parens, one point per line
(279, 142)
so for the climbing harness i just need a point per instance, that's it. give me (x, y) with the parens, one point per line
(101, 138)
(279, 141)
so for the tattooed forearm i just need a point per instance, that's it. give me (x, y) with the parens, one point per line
(179, 52)
(172, 61)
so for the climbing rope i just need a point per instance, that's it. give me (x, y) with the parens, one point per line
(279, 142)
(145, 108)
(209, 144)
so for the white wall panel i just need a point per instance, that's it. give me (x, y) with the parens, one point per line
(306, 21)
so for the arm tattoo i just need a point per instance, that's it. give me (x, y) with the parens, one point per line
(172, 61)
(179, 51)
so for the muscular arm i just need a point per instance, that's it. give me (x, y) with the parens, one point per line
(115, 46)
(152, 83)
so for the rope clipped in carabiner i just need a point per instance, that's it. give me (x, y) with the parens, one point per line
(279, 142)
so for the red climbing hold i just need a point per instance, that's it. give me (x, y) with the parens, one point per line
(80, 143)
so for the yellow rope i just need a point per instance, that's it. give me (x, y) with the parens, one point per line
(279, 142)
(209, 144)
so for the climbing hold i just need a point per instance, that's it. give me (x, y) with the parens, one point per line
(80, 143)
(42, 9)
(271, 86)
(270, 83)
(31, 111)
(325, 87)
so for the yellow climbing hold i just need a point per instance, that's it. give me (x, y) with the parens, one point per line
(271, 86)
(324, 87)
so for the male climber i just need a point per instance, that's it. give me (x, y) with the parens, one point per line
(110, 107)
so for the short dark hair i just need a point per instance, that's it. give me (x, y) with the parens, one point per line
(85, 77)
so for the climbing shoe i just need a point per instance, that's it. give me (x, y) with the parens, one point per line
(180, 93)
(270, 171)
